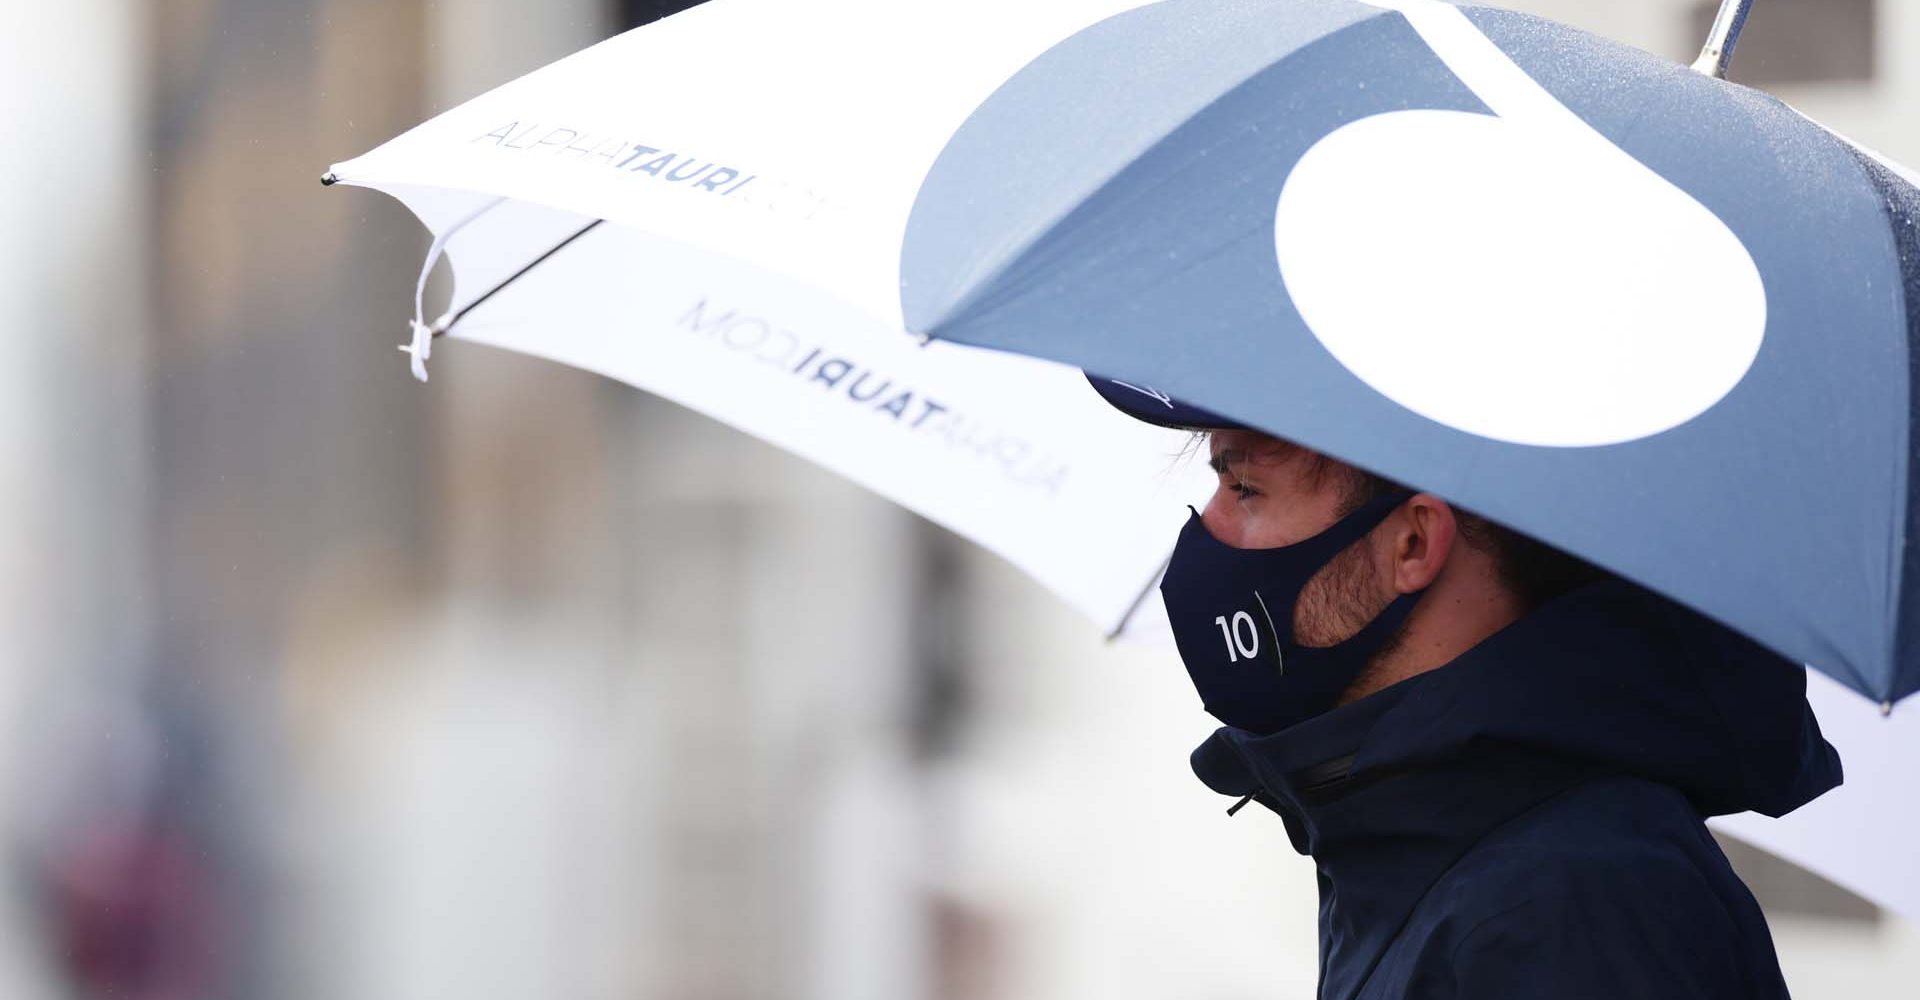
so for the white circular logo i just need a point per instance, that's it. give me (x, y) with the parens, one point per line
(1515, 276)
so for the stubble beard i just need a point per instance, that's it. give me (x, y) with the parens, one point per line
(1344, 597)
(1339, 600)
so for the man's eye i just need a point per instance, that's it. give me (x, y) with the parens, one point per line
(1241, 489)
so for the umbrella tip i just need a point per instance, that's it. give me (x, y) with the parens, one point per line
(329, 179)
(1886, 709)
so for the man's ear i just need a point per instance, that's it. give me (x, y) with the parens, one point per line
(1421, 538)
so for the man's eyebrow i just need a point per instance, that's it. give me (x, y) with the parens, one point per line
(1228, 456)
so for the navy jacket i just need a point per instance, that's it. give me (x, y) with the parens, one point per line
(1527, 821)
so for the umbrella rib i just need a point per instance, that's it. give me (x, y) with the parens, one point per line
(442, 328)
(1138, 599)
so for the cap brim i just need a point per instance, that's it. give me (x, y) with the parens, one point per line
(1156, 407)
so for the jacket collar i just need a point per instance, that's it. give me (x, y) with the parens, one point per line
(1382, 835)
(1387, 793)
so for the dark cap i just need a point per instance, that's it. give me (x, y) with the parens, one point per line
(1155, 407)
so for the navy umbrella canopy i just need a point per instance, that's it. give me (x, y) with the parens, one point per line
(1654, 318)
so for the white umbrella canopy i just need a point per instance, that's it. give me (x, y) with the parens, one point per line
(1016, 454)
(793, 137)
(749, 267)
(712, 208)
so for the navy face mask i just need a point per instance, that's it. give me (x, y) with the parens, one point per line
(1232, 615)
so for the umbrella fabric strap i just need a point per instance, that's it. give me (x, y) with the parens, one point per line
(420, 348)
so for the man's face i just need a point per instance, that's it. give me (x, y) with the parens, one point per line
(1273, 493)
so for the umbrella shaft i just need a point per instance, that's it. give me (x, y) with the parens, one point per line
(1718, 52)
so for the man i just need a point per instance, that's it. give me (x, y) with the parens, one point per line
(1499, 758)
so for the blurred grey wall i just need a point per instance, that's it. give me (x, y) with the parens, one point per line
(74, 457)
(644, 731)
(73, 311)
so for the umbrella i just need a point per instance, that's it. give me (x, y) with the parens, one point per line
(1659, 320)
(1656, 319)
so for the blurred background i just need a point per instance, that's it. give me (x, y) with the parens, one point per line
(317, 682)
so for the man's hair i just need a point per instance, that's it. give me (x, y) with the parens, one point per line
(1532, 570)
